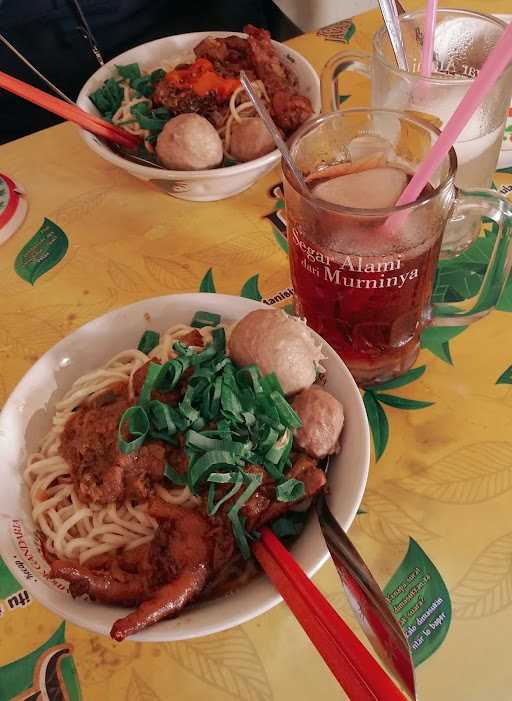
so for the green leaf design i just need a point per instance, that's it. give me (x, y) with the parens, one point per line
(404, 379)
(343, 98)
(401, 402)
(20, 675)
(207, 283)
(289, 309)
(378, 421)
(388, 523)
(44, 250)
(281, 241)
(436, 338)
(8, 583)
(505, 301)
(506, 377)
(419, 600)
(250, 289)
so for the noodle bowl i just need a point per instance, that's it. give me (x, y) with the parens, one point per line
(27, 419)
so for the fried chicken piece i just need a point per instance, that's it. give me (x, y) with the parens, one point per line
(288, 108)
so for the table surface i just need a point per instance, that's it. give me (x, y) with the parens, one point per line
(444, 478)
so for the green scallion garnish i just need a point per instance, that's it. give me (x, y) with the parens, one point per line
(136, 421)
(291, 490)
(202, 318)
(148, 341)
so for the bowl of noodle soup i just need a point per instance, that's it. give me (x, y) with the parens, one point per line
(196, 185)
(89, 358)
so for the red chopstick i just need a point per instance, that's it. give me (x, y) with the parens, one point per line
(356, 670)
(72, 113)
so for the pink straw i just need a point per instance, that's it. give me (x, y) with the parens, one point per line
(428, 38)
(495, 64)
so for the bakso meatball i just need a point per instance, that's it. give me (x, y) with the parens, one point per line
(250, 139)
(322, 420)
(189, 142)
(278, 343)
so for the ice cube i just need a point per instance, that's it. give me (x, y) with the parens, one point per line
(370, 189)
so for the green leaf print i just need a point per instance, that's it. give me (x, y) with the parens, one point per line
(506, 377)
(207, 283)
(281, 241)
(401, 402)
(436, 338)
(44, 250)
(250, 289)
(419, 600)
(378, 421)
(404, 379)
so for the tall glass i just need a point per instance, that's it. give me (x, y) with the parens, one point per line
(363, 278)
(462, 42)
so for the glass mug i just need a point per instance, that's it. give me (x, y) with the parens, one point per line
(362, 278)
(462, 42)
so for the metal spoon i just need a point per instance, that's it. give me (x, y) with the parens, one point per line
(390, 15)
(367, 600)
(125, 153)
(274, 132)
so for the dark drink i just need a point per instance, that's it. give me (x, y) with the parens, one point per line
(370, 309)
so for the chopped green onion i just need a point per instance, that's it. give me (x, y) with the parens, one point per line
(202, 466)
(287, 415)
(165, 437)
(231, 407)
(270, 384)
(182, 349)
(129, 72)
(238, 522)
(137, 424)
(175, 477)
(201, 319)
(160, 416)
(157, 75)
(207, 354)
(250, 376)
(186, 408)
(170, 374)
(279, 448)
(219, 340)
(234, 478)
(151, 375)
(291, 490)
(290, 525)
(148, 341)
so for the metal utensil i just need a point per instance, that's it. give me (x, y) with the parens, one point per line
(390, 15)
(117, 148)
(273, 131)
(367, 600)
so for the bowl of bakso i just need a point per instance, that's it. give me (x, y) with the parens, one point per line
(145, 452)
(181, 95)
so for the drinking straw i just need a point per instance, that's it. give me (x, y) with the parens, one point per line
(495, 64)
(428, 38)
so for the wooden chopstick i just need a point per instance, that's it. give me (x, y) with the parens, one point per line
(354, 667)
(72, 112)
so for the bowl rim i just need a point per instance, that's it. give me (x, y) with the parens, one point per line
(163, 173)
(252, 611)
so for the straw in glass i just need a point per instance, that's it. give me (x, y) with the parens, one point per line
(495, 64)
(428, 38)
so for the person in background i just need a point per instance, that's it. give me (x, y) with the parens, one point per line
(65, 39)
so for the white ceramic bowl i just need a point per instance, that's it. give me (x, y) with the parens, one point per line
(26, 418)
(199, 185)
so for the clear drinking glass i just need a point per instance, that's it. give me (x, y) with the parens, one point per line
(462, 42)
(363, 278)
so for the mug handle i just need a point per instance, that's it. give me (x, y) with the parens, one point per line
(483, 203)
(355, 61)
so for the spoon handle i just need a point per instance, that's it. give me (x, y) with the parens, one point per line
(367, 600)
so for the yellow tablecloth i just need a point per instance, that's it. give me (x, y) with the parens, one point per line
(444, 479)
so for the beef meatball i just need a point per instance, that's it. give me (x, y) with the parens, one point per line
(250, 139)
(189, 142)
(322, 420)
(278, 343)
